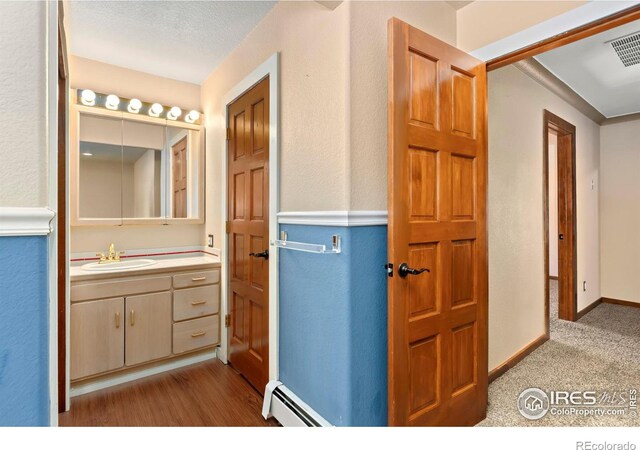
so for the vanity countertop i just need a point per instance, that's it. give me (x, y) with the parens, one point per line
(163, 264)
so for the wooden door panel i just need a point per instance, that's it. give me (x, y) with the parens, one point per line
(463, 356)
(425, 357)
(463, 95)
(437, 211)
(259, 131)
(423, 188)
(257, 194)
(424, 298)
(424, 90)
(248, 233)
(462, 273)
(462, 187)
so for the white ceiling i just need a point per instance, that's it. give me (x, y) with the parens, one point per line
(183, 40)
(592, 69)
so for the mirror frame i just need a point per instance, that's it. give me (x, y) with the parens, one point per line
(74, 167)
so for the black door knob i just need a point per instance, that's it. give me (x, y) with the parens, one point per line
(264, 254)
(405, 270)
(561, 237)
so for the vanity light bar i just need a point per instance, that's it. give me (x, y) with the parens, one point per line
(88, 97)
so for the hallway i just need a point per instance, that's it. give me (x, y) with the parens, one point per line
(599, 353)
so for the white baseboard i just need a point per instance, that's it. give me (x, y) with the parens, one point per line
(92, 386)
(334, 218)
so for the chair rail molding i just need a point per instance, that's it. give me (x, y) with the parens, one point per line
(15, 221)
(333, 218)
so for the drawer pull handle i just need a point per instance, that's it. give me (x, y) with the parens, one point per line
(198, 279)
(199, 302)
(118, 319)
(198, 334)
(133, 317)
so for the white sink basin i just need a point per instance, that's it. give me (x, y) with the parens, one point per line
(121, 265)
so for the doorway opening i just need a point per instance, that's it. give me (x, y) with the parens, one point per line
(559, 165)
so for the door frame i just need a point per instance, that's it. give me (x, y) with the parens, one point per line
(551, 122)
(270, 68)
(572, 26)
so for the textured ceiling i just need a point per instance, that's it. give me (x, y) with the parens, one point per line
(183, 40)
(592, 69)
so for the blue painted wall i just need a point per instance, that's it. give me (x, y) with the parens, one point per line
(24, 332)
(333, 324)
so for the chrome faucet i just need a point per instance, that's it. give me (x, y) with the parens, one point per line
(111, 257)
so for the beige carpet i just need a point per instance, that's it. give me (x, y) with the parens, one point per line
(600, 352)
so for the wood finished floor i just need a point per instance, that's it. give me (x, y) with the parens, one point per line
(205, 394)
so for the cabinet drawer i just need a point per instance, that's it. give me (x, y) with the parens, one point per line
(194, 279)
(195, 333)
(196, 302)
(119, 288)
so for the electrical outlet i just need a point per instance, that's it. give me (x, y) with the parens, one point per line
(584, 286)
(210, 242)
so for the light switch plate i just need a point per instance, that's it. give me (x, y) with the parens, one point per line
(210, 240)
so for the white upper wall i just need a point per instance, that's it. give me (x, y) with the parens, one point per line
(485, 22)
(110, 79)
(367, 145)
(620, 210)
(23, 151)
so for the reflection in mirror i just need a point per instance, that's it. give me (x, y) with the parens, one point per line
(142, 169)
(100, 167)
(184, 150)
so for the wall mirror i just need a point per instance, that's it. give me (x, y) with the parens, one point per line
(135, 170)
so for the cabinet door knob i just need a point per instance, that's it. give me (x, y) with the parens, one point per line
(199, 302)
(133, 317)
(199, 333)
(118, 319)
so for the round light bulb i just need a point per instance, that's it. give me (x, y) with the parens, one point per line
(155, 110)
(112, 101)
(174, 113)
(193, 116)
(88, 97)
(134, 106)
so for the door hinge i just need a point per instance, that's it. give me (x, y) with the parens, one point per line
(389, 268)
(228, 134)
(227, 321)
(228, 227)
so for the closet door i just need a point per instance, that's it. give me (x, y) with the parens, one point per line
(148, 322)
(97, 337)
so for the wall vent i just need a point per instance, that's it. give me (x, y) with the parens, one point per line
(628, 49)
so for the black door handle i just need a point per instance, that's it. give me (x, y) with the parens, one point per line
(405, 270)
(561, 237)
(264, 254)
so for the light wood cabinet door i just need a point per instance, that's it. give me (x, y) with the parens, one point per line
(97, 337)
(148, 324)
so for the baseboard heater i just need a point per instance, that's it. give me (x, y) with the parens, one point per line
(287, 408)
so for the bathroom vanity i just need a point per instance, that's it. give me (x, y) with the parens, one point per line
(123, 319)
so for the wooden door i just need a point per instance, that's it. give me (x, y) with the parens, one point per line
(248, 232)
(179, 175)
(437, 187)
(97, 337)
(148, 321)
(567, 292)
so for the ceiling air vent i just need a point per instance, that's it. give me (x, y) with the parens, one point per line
(628, 49)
